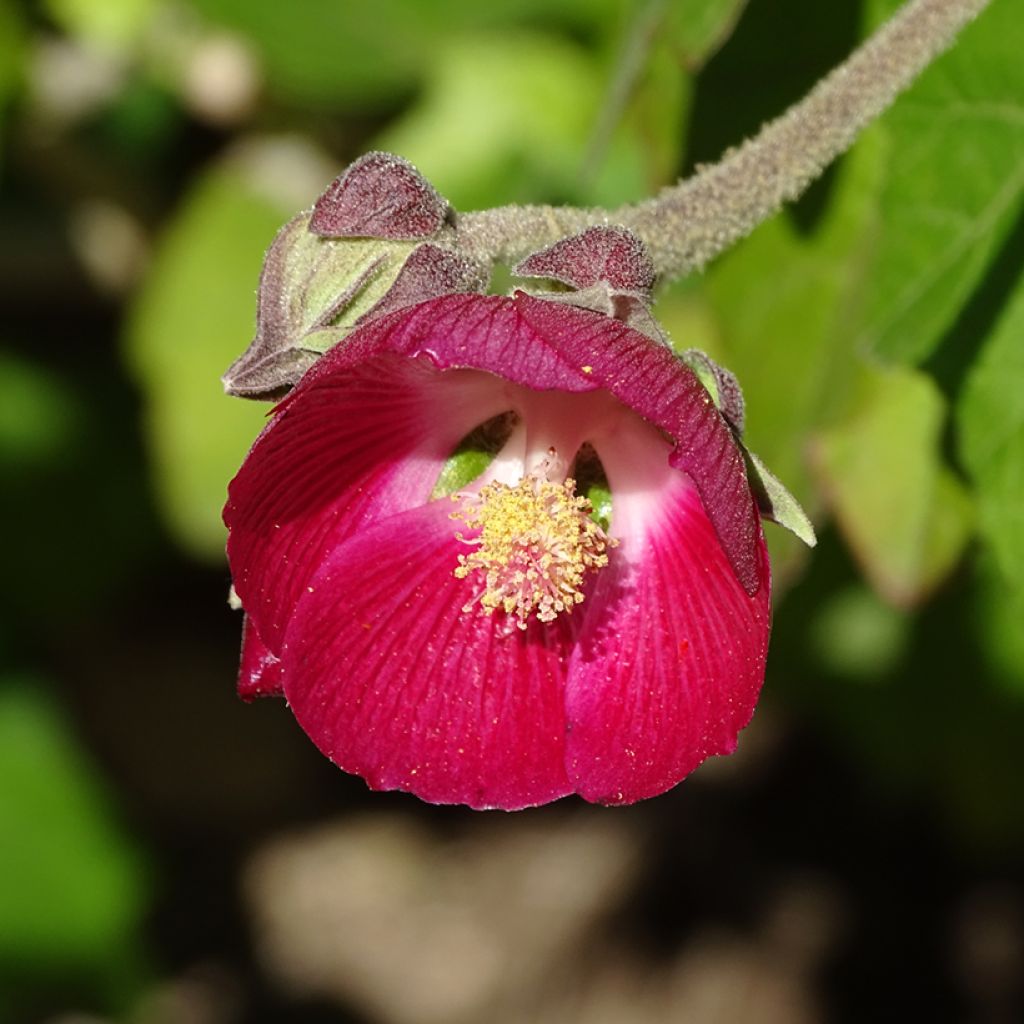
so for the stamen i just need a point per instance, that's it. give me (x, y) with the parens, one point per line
(535, 545)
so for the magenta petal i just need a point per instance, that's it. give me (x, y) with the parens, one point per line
(358, 446)
(486, 332)
(394, 682)
(259, 674)
(657, 385)
(552, 346)
(670, 661)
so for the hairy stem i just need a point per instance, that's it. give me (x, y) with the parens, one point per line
(689, 223)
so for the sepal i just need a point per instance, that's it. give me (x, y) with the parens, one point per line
(775, 502)
(721, 384)
(429, 272)
(360, 253)
(608, 271)
(315, 291)
(611, 256)
(380, 195)
(312, 291)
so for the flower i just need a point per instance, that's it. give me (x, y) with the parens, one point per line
(498, 646)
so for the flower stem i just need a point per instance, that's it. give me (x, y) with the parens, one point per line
(691, 222)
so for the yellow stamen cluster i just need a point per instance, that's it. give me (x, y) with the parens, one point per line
(535, 545)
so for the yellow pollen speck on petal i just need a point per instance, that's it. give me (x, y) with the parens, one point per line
(535, 545)
(587, 369)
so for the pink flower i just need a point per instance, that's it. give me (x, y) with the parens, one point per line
(496, 647)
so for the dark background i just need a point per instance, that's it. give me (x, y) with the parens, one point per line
(168, 853)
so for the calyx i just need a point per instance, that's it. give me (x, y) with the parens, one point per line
(379, 238)
(607, 270)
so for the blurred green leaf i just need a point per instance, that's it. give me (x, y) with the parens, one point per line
(141, 123)
(194, 314)
(369, 55)
(698, 27)
(36, 414)
(954, 184)
(646, 104)
(112, 23)
(12, 44)
(505, 118)
(858, 636)
(653, 122)
(72, 887)
(1000, 614)
(12, 41)
(904, 514)
(646, 95)
(780, 303)
(990, 416)
(63, 435)
(460, 469)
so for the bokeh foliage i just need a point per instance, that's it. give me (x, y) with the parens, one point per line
(149, 150)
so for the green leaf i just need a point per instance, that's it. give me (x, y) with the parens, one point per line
(776, 311)
(856, 635)
(776, 503)
(680, 36)
(781, 302)
(113, 23)
(697, 28)
(659, 46)
(37, 415)
(193, 315)
(990, 416)
(644, 110)
(954, 185)
(601, 504)
(472, 455)
(999, 613)
(371, 55)
(12, 40)
(505, 118)
(12, 50)
(312, 291)
(904, 514)
(461, 468)
(72, 888)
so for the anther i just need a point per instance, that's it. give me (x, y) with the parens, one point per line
(535, 544)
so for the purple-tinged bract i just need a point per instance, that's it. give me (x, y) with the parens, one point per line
(379, 196)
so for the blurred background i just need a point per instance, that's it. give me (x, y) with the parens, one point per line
(170, 854)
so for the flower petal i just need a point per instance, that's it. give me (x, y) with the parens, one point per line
(552, 346)
(656, 384)
(360, 445)
(670, 659)
(259, 674)
(485, 332)
(394, 682)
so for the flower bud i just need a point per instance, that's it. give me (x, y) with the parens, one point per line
(360, 253)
